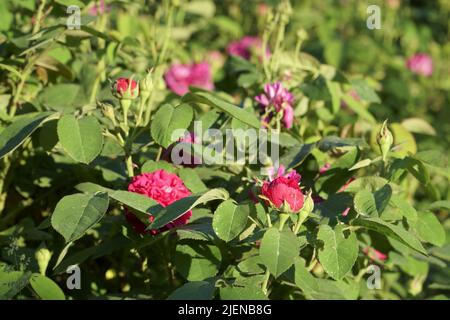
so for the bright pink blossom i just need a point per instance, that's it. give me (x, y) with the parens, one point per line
(420, 63)
(284, 189)
(163, 187)
(180, 76)
(245, 47)
(280, 99)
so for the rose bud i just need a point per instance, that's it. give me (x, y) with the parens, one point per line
(385, 140)
(124, 88)
(284, 193)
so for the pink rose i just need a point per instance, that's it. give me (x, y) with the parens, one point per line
(180, 76)
(163, 187)
(244, 47)
(284, 189)
(421, 64)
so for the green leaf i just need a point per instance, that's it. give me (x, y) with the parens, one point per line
(296, 155)
(62, 97)
(364, 91)
(361, 164)
(430, 229)
(278, 250)
(196, 290)
(390, 230)
(134, 200)
(230, 220)
(77, 213)
(338, 254)
(372, 204)
(16, 133)
(191, 180)
(203, 96)
(167, 120)
(358, 108)
(322, 289)
(418, 125)
(369, 183)
(165, 215)
(445, 204)
(46, 288)
(12, 282)
(197, 260)
(82, 138)
(332, 142)
(407, 210)
(151, 166)
(241, 293)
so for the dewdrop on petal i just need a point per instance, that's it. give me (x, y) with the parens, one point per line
(385, 140)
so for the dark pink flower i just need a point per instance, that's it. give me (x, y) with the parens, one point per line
(284, 189)
(245, 47)
(180, 76)
(163, 187)
(420, 63)
(280, 99)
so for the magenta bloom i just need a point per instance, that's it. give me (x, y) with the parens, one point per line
(102, 8)
(280, 99)
(420, 63)
(243, 48)
(284, 189)
(180, 76)
(163, 187)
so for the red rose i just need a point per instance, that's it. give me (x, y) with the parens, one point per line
(124, 88)
(284, 189)
(163, 187)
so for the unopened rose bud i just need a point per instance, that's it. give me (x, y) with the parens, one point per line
(146, 86)
(385, 140)
(43, 256)
(124, 88)
(308, 205)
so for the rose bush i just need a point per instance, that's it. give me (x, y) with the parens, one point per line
(121, 130)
